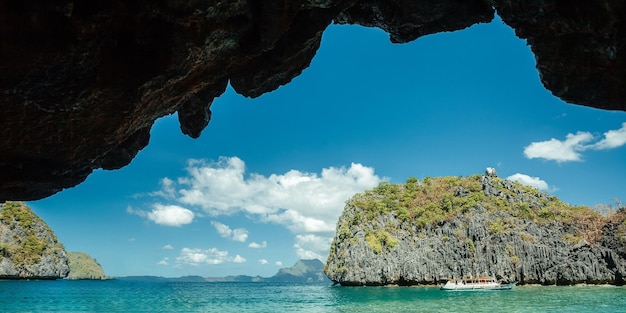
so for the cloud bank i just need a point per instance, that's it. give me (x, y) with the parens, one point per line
(195, 257)
(570, 149)
(312, 246)
(297, 200)
(308, 204)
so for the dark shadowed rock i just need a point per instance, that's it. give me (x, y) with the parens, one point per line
(422, 233)
(82, 82)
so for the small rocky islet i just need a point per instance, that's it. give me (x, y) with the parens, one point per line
(424, 232)
(29, 249)
(84, 267)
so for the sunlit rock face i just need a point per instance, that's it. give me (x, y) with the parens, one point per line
(29, 249)
(411, 235)
(82, 82)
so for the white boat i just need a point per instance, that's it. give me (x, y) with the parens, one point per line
(478, 283)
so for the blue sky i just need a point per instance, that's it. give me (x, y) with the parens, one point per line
(265, 183)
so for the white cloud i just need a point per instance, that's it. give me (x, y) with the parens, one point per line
(195, 256)
(222, 229)
(255, 245)
(168, 189)
(263, 261)
(238, 234)
(167, 247)
(559, 151)
(312, 246)
(279, 263)
(165, 261)
(304, 202)
(529, 181)
(239, 259)
(167, 215)
(130, 210)
(297, 222)
(170, 215)
(571, 148)
(612, 139)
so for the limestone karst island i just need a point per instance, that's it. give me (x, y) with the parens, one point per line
(423, 232)
(420, 232)
(29, 249)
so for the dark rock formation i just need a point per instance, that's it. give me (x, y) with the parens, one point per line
(577, 47)
(84, 267)
(28, 247)
(81, 82)
(422, 234)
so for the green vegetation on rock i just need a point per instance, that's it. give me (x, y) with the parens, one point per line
(28, 247)
(33, 243)
(82, 266)
(442, 199)
(420, 232)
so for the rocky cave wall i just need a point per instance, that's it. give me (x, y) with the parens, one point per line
(82, 82)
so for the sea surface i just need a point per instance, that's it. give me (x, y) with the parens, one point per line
(139, 296)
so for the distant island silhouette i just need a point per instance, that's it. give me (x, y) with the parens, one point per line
(303, 271)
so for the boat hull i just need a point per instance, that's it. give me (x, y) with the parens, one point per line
(451, 286)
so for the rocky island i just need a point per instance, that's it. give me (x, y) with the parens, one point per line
(423, 232)
(29, 249)
(304, 271)
(84, 267)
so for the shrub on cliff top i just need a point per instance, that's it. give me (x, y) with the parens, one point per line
(441, 199)
(432, 201)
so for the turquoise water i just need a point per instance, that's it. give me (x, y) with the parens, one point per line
(136, 296)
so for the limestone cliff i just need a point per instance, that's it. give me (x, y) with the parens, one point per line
(82, 82)
(83, 267)
(424, 232)
(29, 249)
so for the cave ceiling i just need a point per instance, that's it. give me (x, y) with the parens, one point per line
(82, 82)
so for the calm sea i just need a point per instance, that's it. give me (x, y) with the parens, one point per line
(136, 296)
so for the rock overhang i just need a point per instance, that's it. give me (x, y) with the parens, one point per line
(82, 82)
